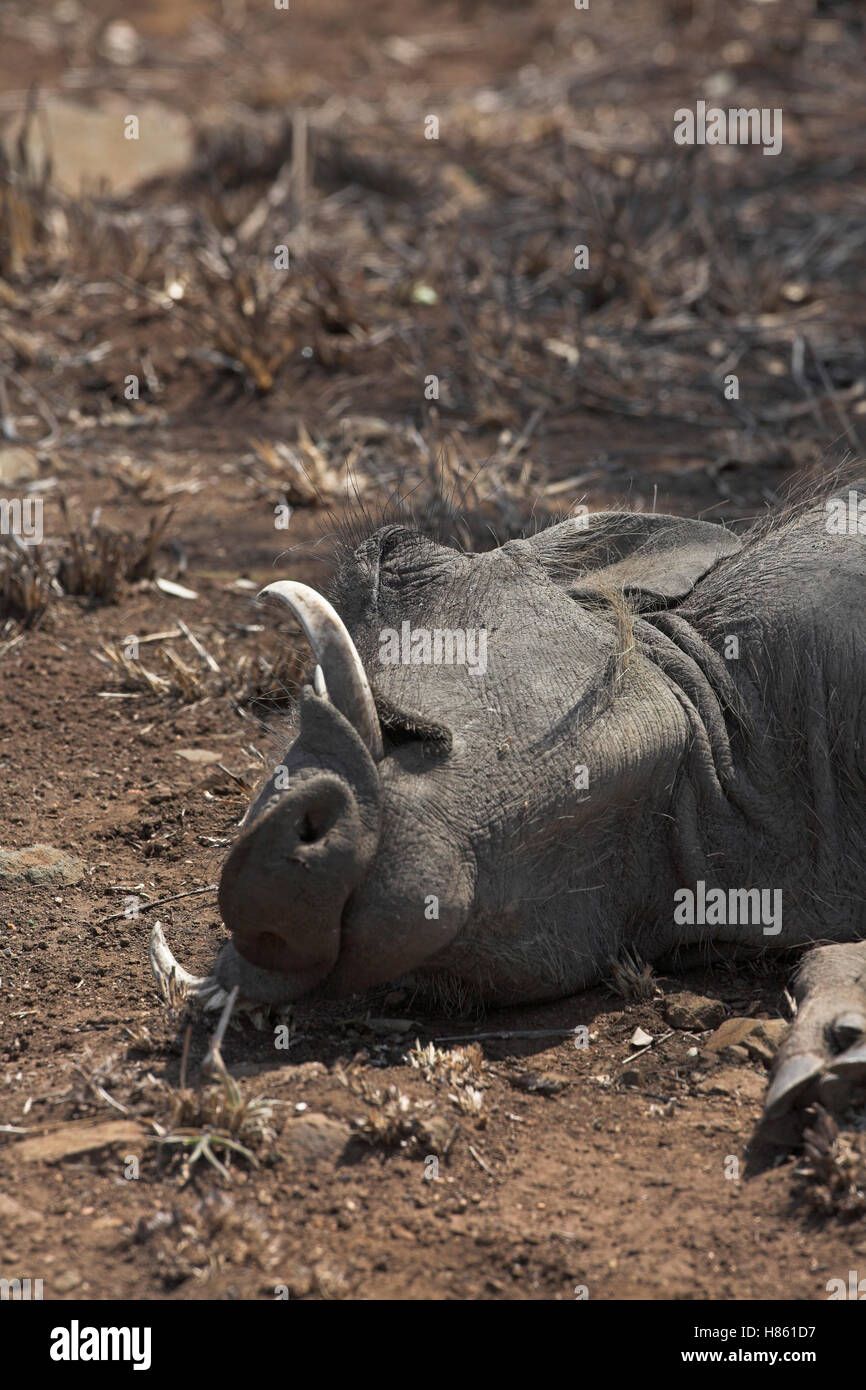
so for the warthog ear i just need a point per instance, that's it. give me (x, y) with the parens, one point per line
(656, 558)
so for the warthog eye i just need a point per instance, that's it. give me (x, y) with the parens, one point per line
(406, 726)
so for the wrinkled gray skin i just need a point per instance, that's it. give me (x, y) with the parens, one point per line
(606, 647)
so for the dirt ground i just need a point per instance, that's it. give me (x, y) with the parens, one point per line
(346, 1159)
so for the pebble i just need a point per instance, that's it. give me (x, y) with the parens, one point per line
(39, 864)
(694, 1013)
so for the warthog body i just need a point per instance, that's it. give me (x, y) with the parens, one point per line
(665, 747)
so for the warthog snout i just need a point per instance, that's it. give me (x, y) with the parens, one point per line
(287, 880)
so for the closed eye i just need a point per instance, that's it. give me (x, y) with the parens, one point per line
(407, 726)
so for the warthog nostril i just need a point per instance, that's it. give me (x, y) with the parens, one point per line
(317, 818)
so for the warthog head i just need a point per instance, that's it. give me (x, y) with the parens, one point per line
(480, 749)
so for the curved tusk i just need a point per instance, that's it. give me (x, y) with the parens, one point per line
(338, 657)
(173, 979)
(319, 683)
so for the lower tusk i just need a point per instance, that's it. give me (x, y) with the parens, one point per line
(319, 685)
(173, 980)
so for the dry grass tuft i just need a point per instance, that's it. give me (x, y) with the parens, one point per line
(832, 1172)
(181, 682)
(217, 1123)
(197, 1239)
(25, 584)
(456, 1066)
(393, 1119)
(26, 224)
(269, 681)
(632, 978)
(96, 562)
(459, 1069)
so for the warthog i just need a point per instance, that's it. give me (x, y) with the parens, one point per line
(665, 748)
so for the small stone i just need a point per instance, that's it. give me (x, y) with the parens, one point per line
(545, 1083)
(774, 1031)
(88, 141)
(734, 1081)
(693, 1013)
(640, 1038)
(66, 1281)
(316, 1136)
(120, 43)
(77, 1137)
(436, 1133)
(17, 465)
(731, 1033)
(39, 864)
(299, 1281)
(759, 1050)
(66, 12)
(794, 293)
(13, 1213)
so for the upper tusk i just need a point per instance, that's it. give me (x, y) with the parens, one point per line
(342, 668)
